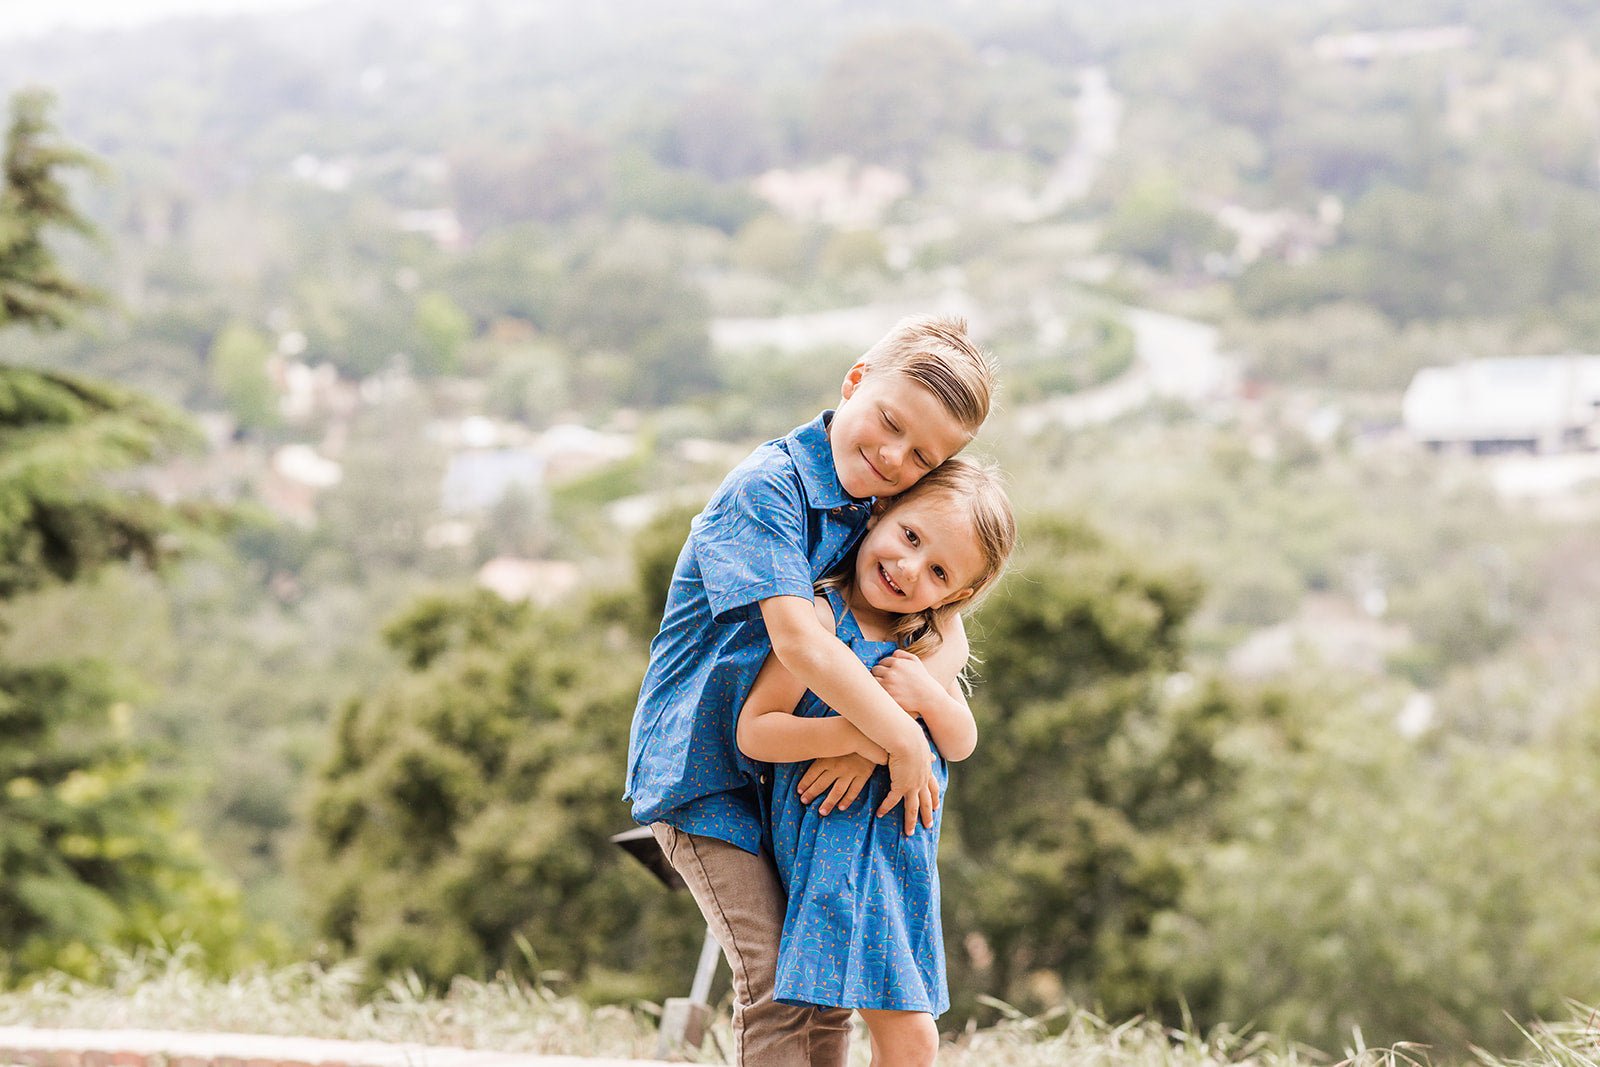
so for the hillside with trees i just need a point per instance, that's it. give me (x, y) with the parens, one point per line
(360, 369)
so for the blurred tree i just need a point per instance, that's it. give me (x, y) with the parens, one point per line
(361, 327)
(566, 175)
(90, 848)
(90, 855)
(238, 361)
(1414, 892)
(444, 328)
(1097, 348)
(378, 516)
(466, 806)
(1344, 345)
(511, 272)
(888, 96)
(644, 329)
(1243, 73)
(851, 252)
(1110, 781)
(34, 201)
(528, 380)
(720, 132)
(771, 244)
(641, 186)
(1152, 223)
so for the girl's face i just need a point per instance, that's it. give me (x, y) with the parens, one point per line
(917, 555)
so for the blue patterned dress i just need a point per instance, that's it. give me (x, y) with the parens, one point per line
(862, 929)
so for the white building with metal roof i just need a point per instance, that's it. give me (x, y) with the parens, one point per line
(1533, 403)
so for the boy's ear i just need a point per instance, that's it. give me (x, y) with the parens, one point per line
(852, 379)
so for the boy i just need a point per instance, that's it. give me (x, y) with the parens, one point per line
(743, 586)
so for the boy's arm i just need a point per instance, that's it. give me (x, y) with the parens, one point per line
(930, 689)
(768, 729)
(822, 663)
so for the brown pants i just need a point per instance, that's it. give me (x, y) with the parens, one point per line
(743, 903)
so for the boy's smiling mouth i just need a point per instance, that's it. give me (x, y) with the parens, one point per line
(871, 467)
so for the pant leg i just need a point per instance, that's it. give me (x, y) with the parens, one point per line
(743, 903)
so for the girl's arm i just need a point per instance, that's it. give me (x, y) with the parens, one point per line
(822, 663)
(768, 729)
(929, 689)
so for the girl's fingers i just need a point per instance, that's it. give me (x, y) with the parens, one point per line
(838, 790)
(888, 804)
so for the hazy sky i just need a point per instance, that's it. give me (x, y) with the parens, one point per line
(25, 17)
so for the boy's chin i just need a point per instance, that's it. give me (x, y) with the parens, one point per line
(859, 492)
(860, 488)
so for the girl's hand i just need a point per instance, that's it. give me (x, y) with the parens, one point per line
(906, 679)
(840, 777)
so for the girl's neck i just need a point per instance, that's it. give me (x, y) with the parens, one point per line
(875, 625)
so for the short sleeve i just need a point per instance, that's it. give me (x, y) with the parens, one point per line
(750, 543)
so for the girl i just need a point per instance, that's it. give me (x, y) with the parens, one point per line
(862, 927)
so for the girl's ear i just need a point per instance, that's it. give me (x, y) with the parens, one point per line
(879, 506)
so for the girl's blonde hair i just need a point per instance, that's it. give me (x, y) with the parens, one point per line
(976, 487)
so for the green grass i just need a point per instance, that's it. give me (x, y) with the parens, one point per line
(170, 991)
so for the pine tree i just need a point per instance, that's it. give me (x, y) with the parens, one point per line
(33, 201)
(90, 855)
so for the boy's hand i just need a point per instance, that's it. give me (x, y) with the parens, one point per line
(905, 678)
(841, 777)
(919, 791)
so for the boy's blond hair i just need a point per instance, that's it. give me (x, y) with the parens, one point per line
(935, 352)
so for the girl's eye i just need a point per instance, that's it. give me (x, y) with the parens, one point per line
(911, 535)
(938, 572)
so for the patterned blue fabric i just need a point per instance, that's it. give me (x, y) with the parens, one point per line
(862, 929)
(779, 521)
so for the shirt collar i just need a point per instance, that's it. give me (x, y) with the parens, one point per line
(813, 457)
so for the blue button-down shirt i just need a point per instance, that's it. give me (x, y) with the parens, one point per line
(779, 521)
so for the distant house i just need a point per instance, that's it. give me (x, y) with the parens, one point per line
(838, 193)
(295, 476)
(543, 581)
(474, 481)
(1532, 403)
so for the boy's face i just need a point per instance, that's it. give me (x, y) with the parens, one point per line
(888, 432)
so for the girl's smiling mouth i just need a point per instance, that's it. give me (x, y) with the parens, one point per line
(883, 573)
